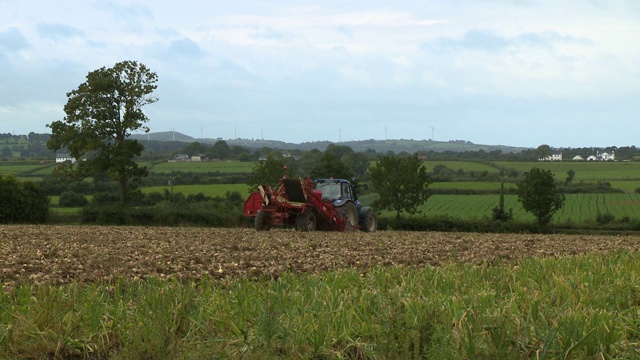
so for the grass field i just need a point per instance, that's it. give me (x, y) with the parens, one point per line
(208, 190)
(585, 170)
(578, 207)
(466, 166)
(205, 166)
(468, 185)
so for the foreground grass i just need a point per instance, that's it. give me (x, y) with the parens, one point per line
(568, 307)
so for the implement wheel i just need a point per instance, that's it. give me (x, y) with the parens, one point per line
(262, 221)
(306, 222)
(350, 212)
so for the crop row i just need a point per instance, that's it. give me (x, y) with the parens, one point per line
(578, 207)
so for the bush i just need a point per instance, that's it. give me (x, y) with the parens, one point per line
(105, 198)
(165, 213)
(22, 202)
(605, 218)
(72, 199)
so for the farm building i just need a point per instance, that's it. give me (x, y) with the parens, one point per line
(555, 156)
(605, 156)
(62, 157)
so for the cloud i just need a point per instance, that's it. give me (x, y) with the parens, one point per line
(58, 31)
(12, 40)
(491, 41)
(185, 48)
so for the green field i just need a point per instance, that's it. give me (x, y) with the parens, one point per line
(469, 185)
(578, 207)
(208, 190)
(466, 166)
(601, 170)
(17, 169)
(204, 166)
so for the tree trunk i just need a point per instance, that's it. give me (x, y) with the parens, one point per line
(123, 190)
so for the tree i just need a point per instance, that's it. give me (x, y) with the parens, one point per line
(100, 115)
(194, 148)
(401, 183)
(358, 162)
(331, 166)
(538, 195)
(543, 151)
(219, 150)
(570, 175)
(6, 152)
(267, 172)
(339, 151)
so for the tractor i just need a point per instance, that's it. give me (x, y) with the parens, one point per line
(308, 205)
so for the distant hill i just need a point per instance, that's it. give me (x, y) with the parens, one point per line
(380, 146)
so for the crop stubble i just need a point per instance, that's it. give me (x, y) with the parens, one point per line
(65, 254)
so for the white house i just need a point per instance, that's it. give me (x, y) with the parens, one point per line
(605, 156)
(555, 156)
(62, 157)
(578, 158)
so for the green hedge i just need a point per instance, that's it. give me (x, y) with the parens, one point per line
(22, 202)
(164, 214)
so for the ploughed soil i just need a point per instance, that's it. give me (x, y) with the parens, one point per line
(63, 254)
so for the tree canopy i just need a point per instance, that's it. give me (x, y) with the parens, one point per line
(401, 183)
(331, 166)
(269, 172)
(539, 196)
(100, 116)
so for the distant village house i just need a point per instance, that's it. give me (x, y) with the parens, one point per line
(64, 157)
(605, 156)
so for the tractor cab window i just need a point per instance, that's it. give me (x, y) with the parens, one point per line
(330, 190)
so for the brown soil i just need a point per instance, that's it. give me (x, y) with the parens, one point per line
(64, 254)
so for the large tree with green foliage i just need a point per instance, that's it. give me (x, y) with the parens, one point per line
(539, 196)
(269, 172)
(401, 182)
(330, 166)
(100, 116)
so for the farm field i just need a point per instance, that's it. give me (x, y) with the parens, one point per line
(208, 190)
(585, 170)
(471, 185)
(466, 166)
(64, 254)
(204, 166)
(133, 292)
(578, 207)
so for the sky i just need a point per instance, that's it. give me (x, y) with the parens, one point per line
(497, 72)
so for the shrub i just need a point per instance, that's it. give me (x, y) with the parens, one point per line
(72, 199)
(22, 202)
(605, 218)
(104, 198)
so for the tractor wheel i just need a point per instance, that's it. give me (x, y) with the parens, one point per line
(350, 212)
(368, 220)
(306, 222)
(262, 221)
